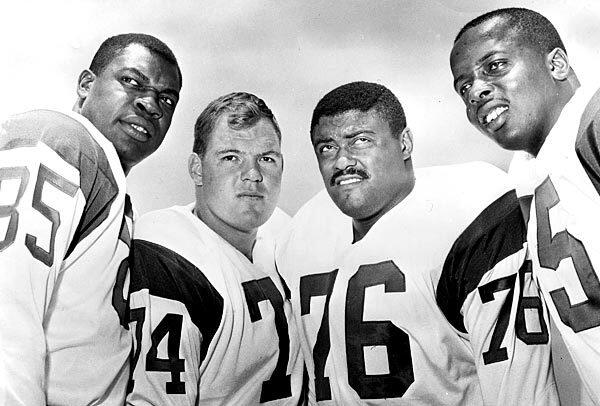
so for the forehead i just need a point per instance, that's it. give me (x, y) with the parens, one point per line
(489, 36)
(350, 122)
(259, 138)
(158, 70)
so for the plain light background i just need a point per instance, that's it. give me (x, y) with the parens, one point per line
(290, 53)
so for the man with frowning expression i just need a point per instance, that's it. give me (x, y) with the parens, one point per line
(512, 71)
(414, 289)
(66, 226)
(203, 277)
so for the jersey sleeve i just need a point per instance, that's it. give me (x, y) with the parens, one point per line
(487, 293)
(174, 314)
(41, 206)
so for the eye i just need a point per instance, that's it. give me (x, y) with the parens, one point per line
(464, 89)
(495, 65)
(168, 101)
(267, 159)
(130, 81)
(229, 158)
(326, 149)
(361, 141)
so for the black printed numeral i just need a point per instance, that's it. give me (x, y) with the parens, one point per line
(45, 176)
(361, 334)
(170, 325)
(278, 386)
(22, 174)
(552, 250)
(497, 353)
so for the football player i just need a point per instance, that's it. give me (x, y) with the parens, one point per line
(65, 224)
(212, 318)
(512, 71)
(415, 289)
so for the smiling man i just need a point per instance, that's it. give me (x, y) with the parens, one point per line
(410, 287)
(512, 72)
(65, 227)
(203, 279)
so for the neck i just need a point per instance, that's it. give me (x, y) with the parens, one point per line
(564, 94)
(77, 109)
(242, 240)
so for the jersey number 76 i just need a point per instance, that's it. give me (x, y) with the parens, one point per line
(360, 334)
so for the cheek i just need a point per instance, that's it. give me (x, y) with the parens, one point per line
(326, 168)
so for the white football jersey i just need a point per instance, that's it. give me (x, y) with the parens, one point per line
(63, 236)
(434, 306)
(564, 229)
(211, 327)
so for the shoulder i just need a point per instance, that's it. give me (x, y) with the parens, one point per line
(315, 216)
(318, 208)
(276, 226)
(165, 225)
(459, 193)
(495, 234)
(60, 132)
(160, 260)
(175, 236)
(472, 179)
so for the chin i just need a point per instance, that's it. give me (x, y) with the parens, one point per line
(356, 211)
(509, 143)
(254, 219)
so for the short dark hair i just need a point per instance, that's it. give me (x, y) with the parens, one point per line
(112, 47)
(362, 96)
(532, 27)
(244, 110)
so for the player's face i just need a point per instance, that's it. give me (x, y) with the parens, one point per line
(241, 175)
(506, 86)
(131, 102)
(362, 163)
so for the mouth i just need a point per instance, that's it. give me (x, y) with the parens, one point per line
(494, 114)
(250, 196)
(494, 118)
(138, 129)
(345, 180)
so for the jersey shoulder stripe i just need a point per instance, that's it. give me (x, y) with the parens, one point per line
(168, 275)
(71, 141)
(586, 145)
(498, 232)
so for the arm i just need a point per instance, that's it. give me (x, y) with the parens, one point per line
(166, 306)
(487, 293)
(40, 206)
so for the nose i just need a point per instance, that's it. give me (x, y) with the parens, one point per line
(479, 91)
(344, 160)
(148, 104)
(252, 173)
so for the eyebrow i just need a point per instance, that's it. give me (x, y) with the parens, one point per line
(147, 79)
(272, 152)
(358, 132)
(317, 141)
(345, 136)
(237, 151)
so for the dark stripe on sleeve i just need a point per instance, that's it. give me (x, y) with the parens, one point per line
(75, 145)
(168, 275)
(586, 145)
(498, 232)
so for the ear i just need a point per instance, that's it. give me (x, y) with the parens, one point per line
(84, 83)
(558, 63)
(195, 168)
(407, 143)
